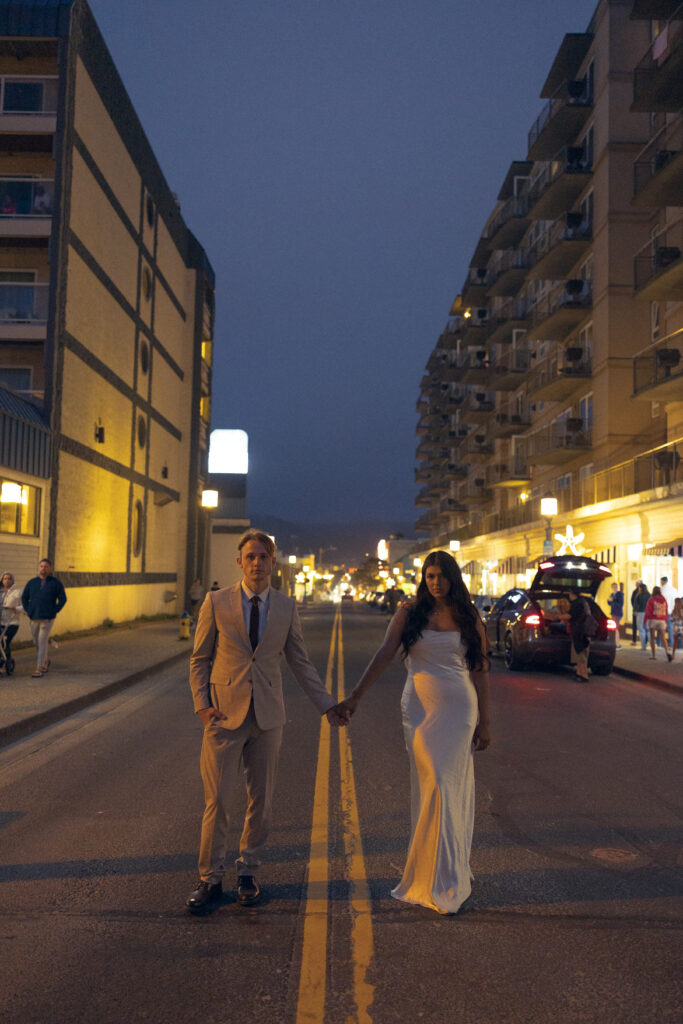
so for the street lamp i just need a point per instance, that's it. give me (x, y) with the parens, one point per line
(548, 510)
(453, 546)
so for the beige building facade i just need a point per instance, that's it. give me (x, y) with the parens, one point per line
(106, 332)
(560, 369)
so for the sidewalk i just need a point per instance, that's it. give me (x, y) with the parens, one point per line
(83, 671)
(633, 663)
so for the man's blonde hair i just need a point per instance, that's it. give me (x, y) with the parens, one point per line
(260, 536)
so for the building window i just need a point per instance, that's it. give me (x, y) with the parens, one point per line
(19, 508)
(144, 355)
(147, 283)
(654, 321)
(150, 211)
(586, 411)
(205, 407)
(142, 431)
(18, 378)
(138, 522)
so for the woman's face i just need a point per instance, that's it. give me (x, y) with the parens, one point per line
(437, 583)
(7, 581)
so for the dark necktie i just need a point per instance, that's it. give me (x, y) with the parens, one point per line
(253, 623)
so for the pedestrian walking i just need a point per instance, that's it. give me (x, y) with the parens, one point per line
(43, 598)
(639, 602)
(669, 595)
(616, 607)
(10, 609)
(676, 618)
(215, 585)
(655, 618)
(195, 593)
(634, 620)
(236, 681)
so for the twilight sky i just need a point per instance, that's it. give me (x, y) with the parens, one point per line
(337, 159)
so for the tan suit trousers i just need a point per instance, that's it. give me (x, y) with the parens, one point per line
(228, 756)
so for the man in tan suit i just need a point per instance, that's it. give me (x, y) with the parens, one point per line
(236, 682)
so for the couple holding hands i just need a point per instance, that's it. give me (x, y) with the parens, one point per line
(235, 677)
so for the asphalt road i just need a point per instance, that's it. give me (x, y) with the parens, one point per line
(577, 904)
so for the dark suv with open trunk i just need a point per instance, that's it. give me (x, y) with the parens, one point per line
(526, 625)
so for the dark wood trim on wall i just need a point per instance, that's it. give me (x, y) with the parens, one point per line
(81, 451)
(115, 579)
(122, 301)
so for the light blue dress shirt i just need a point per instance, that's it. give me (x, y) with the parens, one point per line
(264, 601)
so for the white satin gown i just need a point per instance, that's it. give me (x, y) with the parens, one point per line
(440, 711)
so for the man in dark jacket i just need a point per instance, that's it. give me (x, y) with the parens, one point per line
(43, 598)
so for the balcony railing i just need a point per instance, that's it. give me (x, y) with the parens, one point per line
(23, 303)
(658, 370)
(509, 224)
(560, 183)
(508, 422)
(560, 247)
(26, 197)
(476, 286)
(514, 472)
(551, 445)
(658, 170)
(511, 368)
(508, 272)
(658, 77)
(555, 316)
(557, 376)
(658, 467)
(560, 120)
(658, 266)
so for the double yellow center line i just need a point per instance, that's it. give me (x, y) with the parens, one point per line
(313, 977)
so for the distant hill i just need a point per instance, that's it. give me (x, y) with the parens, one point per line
(351, 540)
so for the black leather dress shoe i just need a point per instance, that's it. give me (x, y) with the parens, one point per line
(248, 892)
(205, 896)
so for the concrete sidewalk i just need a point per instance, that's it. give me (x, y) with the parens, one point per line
(84, 670)
(88, 669)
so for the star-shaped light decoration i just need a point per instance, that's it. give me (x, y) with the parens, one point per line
(569, 541)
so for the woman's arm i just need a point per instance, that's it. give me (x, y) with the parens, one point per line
(480, 681)
(379, 664)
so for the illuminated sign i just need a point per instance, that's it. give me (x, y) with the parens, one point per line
(569, 541)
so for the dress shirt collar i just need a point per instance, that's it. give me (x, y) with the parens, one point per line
(263, 596)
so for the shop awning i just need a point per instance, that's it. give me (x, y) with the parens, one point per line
(673, 548)
(469, 567)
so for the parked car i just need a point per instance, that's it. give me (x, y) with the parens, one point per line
(525, 626)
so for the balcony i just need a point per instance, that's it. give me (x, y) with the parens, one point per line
(646, 10)
(553, 446)
(658, 370)
(478, 448)
(425, 498)
(476, 327)
(557, 377)
(509, 224)
(514, 472)
(475, 287)
(561, 119)
(23, 311)
(26, 206)
(454, 471)
(507, 423)
(658, 266)
(560, 184)
(509, 318)
(507, 275)
(564, 309)
(28, 104)
(658, 77)
(560, 248)
(451, 505)
(658, 170)
(658, 467)
(477, 408)
(423, 474)
(423, 523)
(511, 369)
(476, 368)
(475, 492)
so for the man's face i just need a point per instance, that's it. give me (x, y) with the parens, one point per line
(43, 569)
(256, 564)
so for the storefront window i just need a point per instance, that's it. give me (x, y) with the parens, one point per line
(19, 508)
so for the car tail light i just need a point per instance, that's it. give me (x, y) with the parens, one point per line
(547, 565)
(534, 619)
(611, 624)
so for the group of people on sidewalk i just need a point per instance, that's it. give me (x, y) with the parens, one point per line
(41, 600)
(657, 616)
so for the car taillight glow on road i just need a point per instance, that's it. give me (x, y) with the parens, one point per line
(532, 620)
(611, 624)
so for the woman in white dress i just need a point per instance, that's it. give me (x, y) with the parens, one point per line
(445, 717)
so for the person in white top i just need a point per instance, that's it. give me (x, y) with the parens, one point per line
(669, 595)
(10, 609)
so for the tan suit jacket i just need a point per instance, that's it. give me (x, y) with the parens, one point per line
(225, 672)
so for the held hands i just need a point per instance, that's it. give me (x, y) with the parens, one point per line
(341, 713)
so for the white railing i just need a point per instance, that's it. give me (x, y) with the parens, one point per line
(26, 197)
(23, 302)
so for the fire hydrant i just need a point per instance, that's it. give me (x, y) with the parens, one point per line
(184, 626)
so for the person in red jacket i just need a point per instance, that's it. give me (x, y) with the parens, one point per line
(656, 617)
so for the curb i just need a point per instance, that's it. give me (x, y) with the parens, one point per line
(34, 723)
(639, 677)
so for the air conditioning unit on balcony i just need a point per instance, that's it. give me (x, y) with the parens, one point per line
(665, 255)
(482, 316)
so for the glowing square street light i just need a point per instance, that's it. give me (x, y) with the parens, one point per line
(228, 452)
(454, 545)
(209, 499)
(548, 507)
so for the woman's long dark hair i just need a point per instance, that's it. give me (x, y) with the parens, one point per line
(458, 598)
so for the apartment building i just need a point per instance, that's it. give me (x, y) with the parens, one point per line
(560, 369)
(106, 331)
